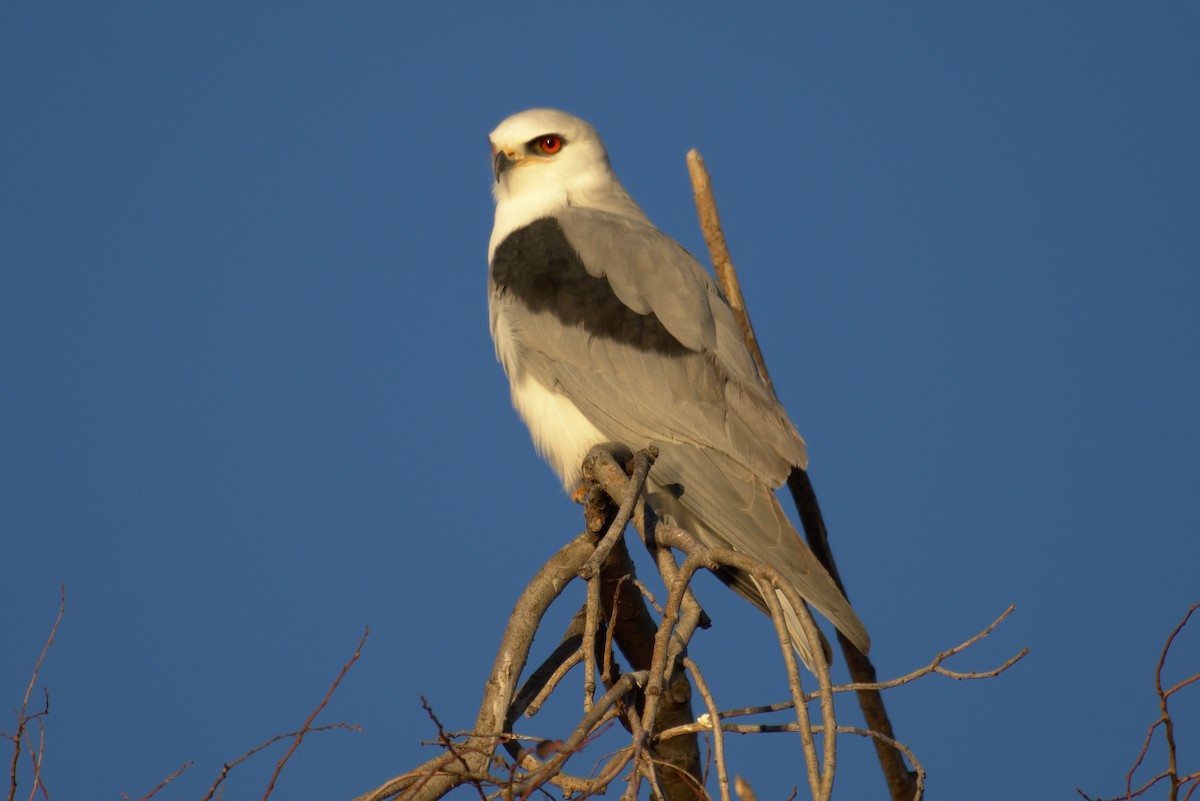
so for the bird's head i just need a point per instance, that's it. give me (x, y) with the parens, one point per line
(545, 160)
(548, 155)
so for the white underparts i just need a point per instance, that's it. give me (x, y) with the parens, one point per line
(561, 434)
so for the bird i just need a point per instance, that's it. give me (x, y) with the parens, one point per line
(611, 332)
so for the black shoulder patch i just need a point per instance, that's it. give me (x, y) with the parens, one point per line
(538, 266)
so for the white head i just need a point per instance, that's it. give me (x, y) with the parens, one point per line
(545, 160)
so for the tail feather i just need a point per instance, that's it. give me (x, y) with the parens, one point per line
(724, 505)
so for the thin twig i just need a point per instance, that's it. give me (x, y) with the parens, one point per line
(165, 782)
(541, 682)
(811, 763)
(824, 682)
(1164, 713)
(936, 665)
(601, 712)
(608, 671)
(932, 667)
(23, 716)
(1176, 782)
(229, 766)
(642, 460)
(36, 756)
(590, 626)
(718, 737)
(308, 721)
(562, 670)
(450, 746)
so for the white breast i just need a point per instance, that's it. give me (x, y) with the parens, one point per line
(561, 434)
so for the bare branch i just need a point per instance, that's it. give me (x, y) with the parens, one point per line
(1175, 781)
(619, 594)
(229, 766)
(936, 665)
(641, 468)
(816, 781)
(445, 742)
(36, 755)
(718, 737)
(295, 736)
(542, 682)
(714, 235)
(164, 782)
(23, 716)
(312, 716)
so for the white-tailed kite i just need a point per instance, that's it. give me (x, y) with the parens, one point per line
(610, 331)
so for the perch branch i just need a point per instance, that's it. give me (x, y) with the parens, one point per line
(640, 698)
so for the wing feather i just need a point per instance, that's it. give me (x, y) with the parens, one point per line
(653, 274)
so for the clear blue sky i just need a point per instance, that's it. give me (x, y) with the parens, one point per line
(248, 401)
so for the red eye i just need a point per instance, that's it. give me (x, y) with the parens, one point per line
(550, 144)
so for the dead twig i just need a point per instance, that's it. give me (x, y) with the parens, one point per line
(718, 736)
(1171, 773)
(24, 718)
(637, 480)
(295, 736)
(229, 766)
(718, 250)
(304, 729)
(446, 743)
(163, 783)
(934, 666)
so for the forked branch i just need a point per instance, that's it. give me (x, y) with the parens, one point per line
(1177, 783)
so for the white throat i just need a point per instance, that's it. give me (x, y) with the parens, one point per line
(528, 193)
(517, 209)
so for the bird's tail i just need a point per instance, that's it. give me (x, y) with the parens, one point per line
(725, 505)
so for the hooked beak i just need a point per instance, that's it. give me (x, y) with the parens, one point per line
(501, 161)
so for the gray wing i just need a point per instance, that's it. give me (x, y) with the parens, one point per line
(723, 506)
(723, 437)
(714, 386)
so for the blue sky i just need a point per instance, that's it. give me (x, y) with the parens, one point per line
(248, 401)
